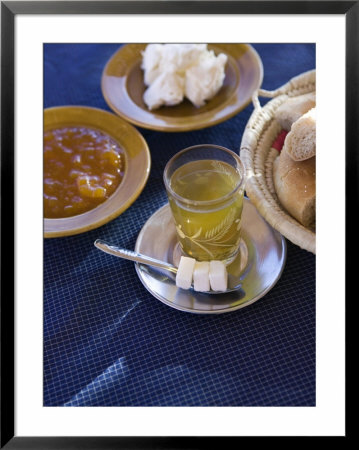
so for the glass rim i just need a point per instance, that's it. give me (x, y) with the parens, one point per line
(204, 202)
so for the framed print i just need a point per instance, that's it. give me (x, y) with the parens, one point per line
(98, 100)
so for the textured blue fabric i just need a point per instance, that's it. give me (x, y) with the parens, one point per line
(108, 342)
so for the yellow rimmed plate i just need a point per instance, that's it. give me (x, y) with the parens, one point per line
(123, 87)
(137, 166)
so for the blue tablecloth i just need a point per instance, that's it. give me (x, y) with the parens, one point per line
(108, 342)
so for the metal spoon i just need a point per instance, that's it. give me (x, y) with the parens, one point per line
(233, 282)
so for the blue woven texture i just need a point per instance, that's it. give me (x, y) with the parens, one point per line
(108, 342)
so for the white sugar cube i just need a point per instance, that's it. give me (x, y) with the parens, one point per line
(218, 276)
(185, 272)
(201, 276)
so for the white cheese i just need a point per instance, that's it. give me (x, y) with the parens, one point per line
(151, 59)
(201, 276)
(173, 71)
(218, 276)
(205, 79)
(167, 89)
(179, 57)
(184, 274)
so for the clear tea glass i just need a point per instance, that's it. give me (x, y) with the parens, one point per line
(205, 188)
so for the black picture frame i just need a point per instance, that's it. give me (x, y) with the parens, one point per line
(9, 9)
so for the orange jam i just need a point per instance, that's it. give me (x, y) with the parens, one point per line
(82, 168)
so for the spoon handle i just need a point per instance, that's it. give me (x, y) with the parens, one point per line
(133, 256)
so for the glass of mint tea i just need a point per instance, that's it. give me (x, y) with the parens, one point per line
(205, 188)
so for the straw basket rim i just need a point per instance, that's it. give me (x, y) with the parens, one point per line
(258, 157)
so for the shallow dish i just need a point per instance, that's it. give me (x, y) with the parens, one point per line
(259, 267)
(137, 166)
(123, 87)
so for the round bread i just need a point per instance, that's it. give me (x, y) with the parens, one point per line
(293, 108)
(294, 182)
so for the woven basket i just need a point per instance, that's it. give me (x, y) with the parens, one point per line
(258, 156)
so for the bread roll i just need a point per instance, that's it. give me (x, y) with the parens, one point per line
(293, 108)
(300, 142)
(294, 182)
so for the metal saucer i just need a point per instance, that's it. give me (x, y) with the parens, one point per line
(258, 267)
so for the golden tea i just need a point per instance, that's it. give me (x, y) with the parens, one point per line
(206, 199)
